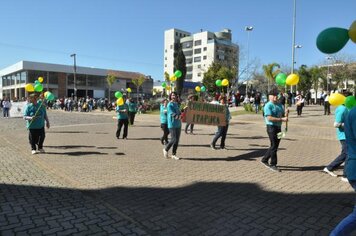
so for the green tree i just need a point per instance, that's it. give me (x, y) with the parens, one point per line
(305, 79)
(179, 64)
(110, 79)
(270, 71)
(218, 71)
(315, 74)
(138, 83)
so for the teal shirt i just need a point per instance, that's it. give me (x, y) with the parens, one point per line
(163, 114)
(122, 112)
(350, 132)
(274, 110)
(132, 107)
(340, 115)
(173, 114)
(40, 111)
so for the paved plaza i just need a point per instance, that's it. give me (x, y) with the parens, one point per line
(90, 183)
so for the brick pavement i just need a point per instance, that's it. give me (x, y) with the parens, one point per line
(89, 182)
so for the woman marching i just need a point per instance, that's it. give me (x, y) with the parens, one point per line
(164, 125)
(222, 130)
(174, 125)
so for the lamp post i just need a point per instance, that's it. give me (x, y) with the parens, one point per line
(296, 47)
(74, 75)
(248, 29)
(293, 39)
(328, 76)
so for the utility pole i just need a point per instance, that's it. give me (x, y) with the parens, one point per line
(75, 75)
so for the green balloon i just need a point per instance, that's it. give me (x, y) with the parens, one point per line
(281, 79)
(203, 89)
(50, 97)
(350, 102)
(178, 73)
(118, 94)
(218, 83)
(332, 40)
(164, 84)
(38, 87)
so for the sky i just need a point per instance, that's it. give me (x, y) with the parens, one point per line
(128, 35)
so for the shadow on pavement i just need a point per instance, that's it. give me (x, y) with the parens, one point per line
(70, 146)
(76, 153)
(67, 132)
(301, 168)
(246, 156)
(203, 208)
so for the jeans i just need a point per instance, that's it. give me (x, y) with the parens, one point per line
(165, 129)
(175, 135)
(340, 159)
(222, 131)
(348, 224)
(272, 132)
(132, 117)
(36, 137)
(125, 123)
(191, 128)
(6, 111)
(326, 108)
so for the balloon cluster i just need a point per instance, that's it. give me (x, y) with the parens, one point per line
(332, 40)
(38, 87)
(200, 89)
(177, 74)
(223, 82)
(282, 79)
(337, 99)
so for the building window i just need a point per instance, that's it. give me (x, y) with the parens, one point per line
(188, 61)
(197, 59)
(205, 48)
(188, 44)
(197, 43)
(177, 34)
(197, 51)
(199, 74)
(199, 66)
(165, 50)
(188, 53)
(204, 57)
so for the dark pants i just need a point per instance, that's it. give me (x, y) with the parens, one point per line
(6, 111)
(326, 108)
(222, 131)
(340, 159)
(272, 132)
(165, 129)
(191, 128)
(300, 109)
(175, 135)
(120, 123)
(132, 117)
(36, 137)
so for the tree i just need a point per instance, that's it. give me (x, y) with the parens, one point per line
(179, 64)
(271, 72)
(305, 79)
(110, 79)
(218, 71)
(138, 82)
(315, 74)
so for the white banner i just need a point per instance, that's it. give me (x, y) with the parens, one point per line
(17, 109)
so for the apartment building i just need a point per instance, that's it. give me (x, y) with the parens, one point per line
(200, 50)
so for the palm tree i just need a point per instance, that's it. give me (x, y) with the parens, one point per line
(138, 82)
(270, 72)
(110, 79)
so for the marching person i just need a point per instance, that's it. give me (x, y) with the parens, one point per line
(35, 114)
(122, 119)
(164, 121)
(273, 113)
(174, 125)
(191, 98)
(132, 110)
(222, 130)
(6, 105)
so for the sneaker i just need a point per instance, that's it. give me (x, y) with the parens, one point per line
(275, 168)
(33, 152)
(265, 164)
(41, 150)
(329, 172)
(344, 179)
(213, 147)
(165, 153)
(174, 157)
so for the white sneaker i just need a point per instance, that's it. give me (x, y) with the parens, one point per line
(41, 150)
(174, 157)
(165, 153)
(329, 172)
(344, 179)
(33, 152)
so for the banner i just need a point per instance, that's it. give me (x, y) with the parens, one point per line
(206, 114)
(17, 109)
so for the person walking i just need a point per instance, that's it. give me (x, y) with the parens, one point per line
(273, 113)
(348, 224)
(257, 102)
(35, 114)
(340, 116)
(174, 126)
(164, 121)
(222, 130)
(299, 101)
(122, 119)
(6, 105)
(327, 104)
(132, 110)
(191, 98)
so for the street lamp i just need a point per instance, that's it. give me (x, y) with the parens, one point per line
(328, 76)
(296, 46)
(248, 29)
(293, 39)
(74, 75)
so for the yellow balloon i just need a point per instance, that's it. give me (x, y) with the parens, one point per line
(168, 87)
(336, 99)
(292, 79)
(128, 90)
(29, 88)
(45, 94)
(352, 32)
(120, 101)
(40, 79)
(173, 78)
(197, 88)
(224, 82)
